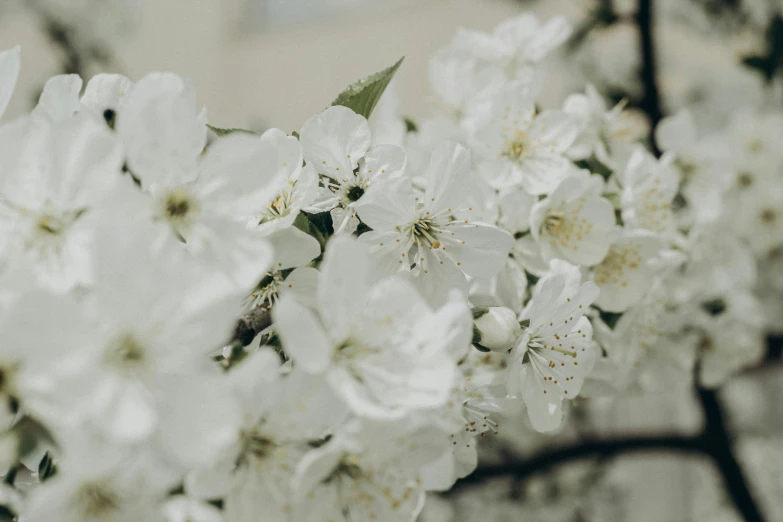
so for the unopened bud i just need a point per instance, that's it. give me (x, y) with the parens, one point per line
(495, 328)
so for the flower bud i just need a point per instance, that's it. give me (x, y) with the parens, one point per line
(495, 328)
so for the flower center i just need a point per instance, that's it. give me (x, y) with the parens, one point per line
(516, 146)
(553, 222)
(51, 225)
(347, 467)
(125, 352)
(254, 444)
(425, 230)
(178, 207)
(96, 501)
(266, 290)
(689, 171)
(768, 216)
(354, 193)
(756, 145)
(745, 179)
(280, 207)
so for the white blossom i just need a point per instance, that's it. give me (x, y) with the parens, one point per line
(380, 346)
(554, 354)
(430, 235)
(337, 143)
(10, 62)
(517, 145)
(574, 223)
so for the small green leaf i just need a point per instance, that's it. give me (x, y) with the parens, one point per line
(225, 132)
(410, 125)
(610, 318)
(479, 311)
(46, 468)
(363, 96)
(481, 348)
(317, 225)
(614, 199)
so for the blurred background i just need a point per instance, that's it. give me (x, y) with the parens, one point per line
(272, 63)
(287, 59)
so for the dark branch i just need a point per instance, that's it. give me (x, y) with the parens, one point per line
(251, 324)
(651, 102)
(61, 36)
(718, 444)
(551, 458)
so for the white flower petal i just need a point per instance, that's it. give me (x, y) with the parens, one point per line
(10, 62)
(335, 140)
(60, 98)
(387, 204)
(302, 335)
(449, 181)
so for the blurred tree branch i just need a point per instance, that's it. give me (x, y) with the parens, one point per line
(651, 100)
(585, 449)
(714, 441)
(76, 55)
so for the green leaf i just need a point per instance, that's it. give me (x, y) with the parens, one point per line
(363, 96)
(317, 225)
(225, 132)
(479, 311)
(46, 468)
(614, 199)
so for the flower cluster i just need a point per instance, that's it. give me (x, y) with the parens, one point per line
(202, 325)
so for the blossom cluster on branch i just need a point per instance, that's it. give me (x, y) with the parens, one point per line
(205, 324)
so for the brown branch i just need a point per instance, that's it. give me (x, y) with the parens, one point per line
(587, 449)
(251, 324)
